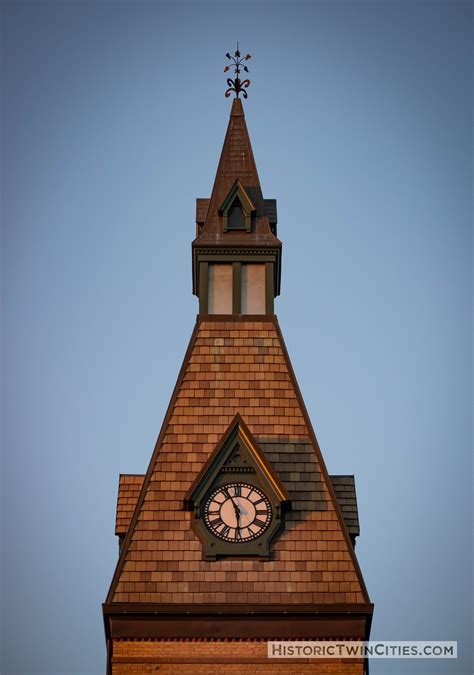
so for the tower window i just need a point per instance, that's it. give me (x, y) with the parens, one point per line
(220, 289)
(253, 289)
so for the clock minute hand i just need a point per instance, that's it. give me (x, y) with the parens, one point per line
(226, 492)
(236, 507)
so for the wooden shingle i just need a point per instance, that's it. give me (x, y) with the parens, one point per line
(235, 366)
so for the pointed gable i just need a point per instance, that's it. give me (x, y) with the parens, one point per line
(237, 366)
(236, 451)
(237, 199)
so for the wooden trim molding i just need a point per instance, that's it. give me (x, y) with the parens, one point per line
(236, 287)
(269, 288)
(203, 287)
(224, 622)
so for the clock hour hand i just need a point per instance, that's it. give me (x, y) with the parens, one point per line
(237, 514)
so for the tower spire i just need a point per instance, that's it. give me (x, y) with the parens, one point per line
(236, 228)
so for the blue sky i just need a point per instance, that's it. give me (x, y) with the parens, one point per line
(113, 118)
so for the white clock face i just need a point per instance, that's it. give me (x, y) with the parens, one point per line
(237, 512)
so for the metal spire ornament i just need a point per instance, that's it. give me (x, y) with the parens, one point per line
(237, 85)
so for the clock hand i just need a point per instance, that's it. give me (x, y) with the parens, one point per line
(235, 505)
(229, 496)
(237, 516)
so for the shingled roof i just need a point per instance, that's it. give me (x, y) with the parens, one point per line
(345, 491)
(237, 365)
(236, 163)
(128, 490)
(130, 486)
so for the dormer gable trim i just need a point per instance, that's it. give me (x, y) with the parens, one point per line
(237, 191)
(236, 435)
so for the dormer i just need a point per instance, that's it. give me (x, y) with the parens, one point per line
(237, 209)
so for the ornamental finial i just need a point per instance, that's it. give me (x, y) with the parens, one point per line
(237, 85)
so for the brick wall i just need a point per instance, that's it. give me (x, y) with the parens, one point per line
(186, 657)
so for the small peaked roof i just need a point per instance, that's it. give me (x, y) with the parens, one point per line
(237, 190)
(237, 163)
(237, 429)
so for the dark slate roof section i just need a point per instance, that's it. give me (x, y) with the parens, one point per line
(344, 487)
(271, 210)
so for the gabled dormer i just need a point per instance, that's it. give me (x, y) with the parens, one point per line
(237, 499)
(236, 253)
(237, 209)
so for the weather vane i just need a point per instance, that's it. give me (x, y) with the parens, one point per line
(237, 85)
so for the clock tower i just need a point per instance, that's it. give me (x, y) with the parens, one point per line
(236, 535)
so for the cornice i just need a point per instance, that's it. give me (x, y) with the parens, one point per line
(235, 251)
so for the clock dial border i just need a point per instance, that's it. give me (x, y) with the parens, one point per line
(224, 524)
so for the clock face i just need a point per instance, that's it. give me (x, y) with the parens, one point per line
(237, 512)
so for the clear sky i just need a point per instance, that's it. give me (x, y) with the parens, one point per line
(113, 122)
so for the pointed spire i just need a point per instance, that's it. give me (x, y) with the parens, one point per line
(236, 225)
(237, 162)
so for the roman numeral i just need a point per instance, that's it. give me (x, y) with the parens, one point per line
(237, 490)
(238, 534)
(261, 512)
(225, 531)
(259, 501)
(259, 523)
(217, 522)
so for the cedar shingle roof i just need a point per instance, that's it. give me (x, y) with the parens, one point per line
(130, 486)
(202, 206)
(128, 490)
(237, 366)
